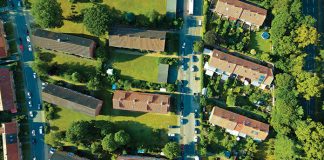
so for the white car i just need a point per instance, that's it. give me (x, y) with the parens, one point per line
(34, 75)
(19, 4)
(196, 139)
(31, 114)
(29, 95)
(39, 106)
(184, 45)
(40, 129)
(29, 103)
(28, 39)
(192, 68)
(30, 48)
(33, 133)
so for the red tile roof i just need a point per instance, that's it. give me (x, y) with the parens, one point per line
(240, 10)
(242, 124)
(11, 141)
(141, 102)
(3, 42)
(7, 94)
(241, 67)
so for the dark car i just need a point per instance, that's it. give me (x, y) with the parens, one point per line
(181, 105)
(27, 32)
(20, 40)
(173, 127)
(196, 122)
(34, 141)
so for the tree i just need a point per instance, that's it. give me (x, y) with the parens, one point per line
(130, 17)
(309, 85)
(198, 46)
(105, 127)
(96, 148)
(97, 19)
(171, 150)
(121, 138)
(231, 100)
(76, 76)
(153, 17)
(253, 51)
(81, 132)
(311, 135)
(285, 148)
(47, 13)
(109, 144)
(210, 38)
(305, 36)
(93, 84)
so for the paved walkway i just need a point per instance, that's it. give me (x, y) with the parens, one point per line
(143, 54)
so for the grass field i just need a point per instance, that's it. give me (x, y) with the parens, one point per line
(135, 6)
(259, 44)
(136, 67)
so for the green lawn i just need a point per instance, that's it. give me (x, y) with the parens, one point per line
(136, 67)
(135, 6)
(259, 44)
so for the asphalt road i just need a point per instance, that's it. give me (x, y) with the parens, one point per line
(190, 85)
(31, 84)
(310, 7)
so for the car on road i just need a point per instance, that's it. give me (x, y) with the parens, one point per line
(19, 4)
(31, 114)
(34, 158)
(27, 31)
(196, 110)
(40, 129)
(20, 40)
(196, 139)
(184, 45)
(52, 150)
(196, 122)
(34, 75)
(30, 103)
(28, 38)
(173, 126)
(29, 95)
(34, 141)
(192, 68)
(30, 48)
(182, 121)
(33, 132)
(181, 105)
(196, 131)
(39, 106)
(21, 47)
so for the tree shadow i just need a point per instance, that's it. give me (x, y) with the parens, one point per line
(46, 56)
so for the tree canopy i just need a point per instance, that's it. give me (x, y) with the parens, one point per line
(109, 144)
(285, 148)
(97, 19)
(171, 150)
(121, 138)
(306, 35)
(47, 13)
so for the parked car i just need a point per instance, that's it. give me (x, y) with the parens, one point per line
(34, 75)
(27, 31)
(196, 131)
(39, 106)
(29, 95)
(30, 103)
(28, 38)
(33, 132)
(30, 48)
(184, 45)
(173, 126)
(196, 139)
(192, 69)
(19, 4)
(31, 114)
(34, 141)
(40, 129)
(52, 150)
(196, 122)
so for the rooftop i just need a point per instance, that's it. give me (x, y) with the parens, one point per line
(10, 133)
(7, 95)
(234, 121)
(140, 39)
(67, 38)
(72, 96)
